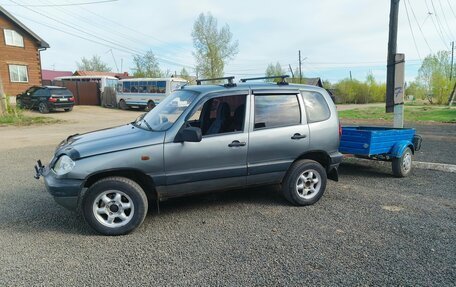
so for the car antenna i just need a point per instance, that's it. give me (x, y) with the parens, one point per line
(282, 77)
(227, 85)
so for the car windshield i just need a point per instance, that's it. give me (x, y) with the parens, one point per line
(163, 116)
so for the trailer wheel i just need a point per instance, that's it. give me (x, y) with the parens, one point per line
(403, 166)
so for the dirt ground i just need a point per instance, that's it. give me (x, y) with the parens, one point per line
(82, 119)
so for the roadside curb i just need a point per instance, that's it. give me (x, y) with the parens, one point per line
(435, 166)
(416, 164)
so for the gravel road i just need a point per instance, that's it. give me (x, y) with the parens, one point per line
(368, 229)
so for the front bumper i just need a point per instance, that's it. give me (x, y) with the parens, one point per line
(64, 190)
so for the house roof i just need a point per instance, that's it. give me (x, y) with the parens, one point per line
(41, 42)
(51, 74)
(123, 75)
(313, 82)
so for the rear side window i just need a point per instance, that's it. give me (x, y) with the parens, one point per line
(316, 107)
(273, 111)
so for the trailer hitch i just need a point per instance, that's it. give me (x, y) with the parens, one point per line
(39, 168)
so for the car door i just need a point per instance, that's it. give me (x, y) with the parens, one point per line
(278, 135)
(40, 94)
(26, 97)
(219, 161)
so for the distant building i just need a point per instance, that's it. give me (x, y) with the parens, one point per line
(49, 75)
(20, 61)
(313, 82)
(120, 76)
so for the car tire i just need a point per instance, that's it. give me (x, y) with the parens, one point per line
(115, 206)
(402, 166)
(123, 105)
(150, 105)
(43, 108)
(304, 183)
(68, 109)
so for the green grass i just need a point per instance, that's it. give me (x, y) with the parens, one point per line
(412, 113)
(22, 120)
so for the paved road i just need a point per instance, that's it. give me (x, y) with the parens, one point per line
(81, 120)
(368, 229)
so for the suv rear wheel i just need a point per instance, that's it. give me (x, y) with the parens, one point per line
(115, 206)
(304, 183)
(43, 108)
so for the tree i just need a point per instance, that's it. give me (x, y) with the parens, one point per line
(274, 70)
(146, 66)
(434, 75)
(213, 47)
(185, 75)
(93, 64)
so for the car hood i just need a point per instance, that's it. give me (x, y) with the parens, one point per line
(107, 141)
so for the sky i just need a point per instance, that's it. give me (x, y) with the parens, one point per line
(335, 37)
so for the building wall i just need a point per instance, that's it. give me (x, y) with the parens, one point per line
(27, 55)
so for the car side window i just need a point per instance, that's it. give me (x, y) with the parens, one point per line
(220, 115)
(272, 111)
(316, 107)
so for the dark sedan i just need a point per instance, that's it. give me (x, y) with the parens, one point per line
(46, 99)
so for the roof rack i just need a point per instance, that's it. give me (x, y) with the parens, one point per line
(282, 82)
(229, 84)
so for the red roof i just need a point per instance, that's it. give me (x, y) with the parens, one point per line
(51, 75)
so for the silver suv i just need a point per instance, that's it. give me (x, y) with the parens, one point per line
(200, 138)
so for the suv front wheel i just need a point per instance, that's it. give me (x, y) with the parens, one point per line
(115, 206)
(304, 183)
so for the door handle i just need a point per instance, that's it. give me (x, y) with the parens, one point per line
(236, 144)
(298, 136)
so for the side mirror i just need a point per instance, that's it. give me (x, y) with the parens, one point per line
(191, 134)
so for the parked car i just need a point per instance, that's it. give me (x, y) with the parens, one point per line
(46, 99)
(220, 137)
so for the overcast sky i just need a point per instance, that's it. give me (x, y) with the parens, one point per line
(335, 37)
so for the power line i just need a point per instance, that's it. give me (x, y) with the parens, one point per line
(116, 45)
(116, 33)
(451, 7)
(435, 26)
(443, 31)
(446, 21)
(421, 30)
(67, 4)
(411, 29)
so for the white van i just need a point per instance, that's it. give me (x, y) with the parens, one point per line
(145, 93)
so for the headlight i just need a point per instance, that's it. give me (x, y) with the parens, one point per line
(63, 165)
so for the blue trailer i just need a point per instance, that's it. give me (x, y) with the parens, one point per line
(382, 143)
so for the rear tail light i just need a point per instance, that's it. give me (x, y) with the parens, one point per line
(52, 100)
(71, 99)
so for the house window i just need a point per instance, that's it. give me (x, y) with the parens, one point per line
(18, 73)
(13, 38)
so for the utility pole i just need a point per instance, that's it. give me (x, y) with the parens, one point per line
(300, 64)
(291, 71)
(452, 63)
(392, 45)
(351, 78)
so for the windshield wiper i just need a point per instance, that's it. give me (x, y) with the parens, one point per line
(147, 124)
